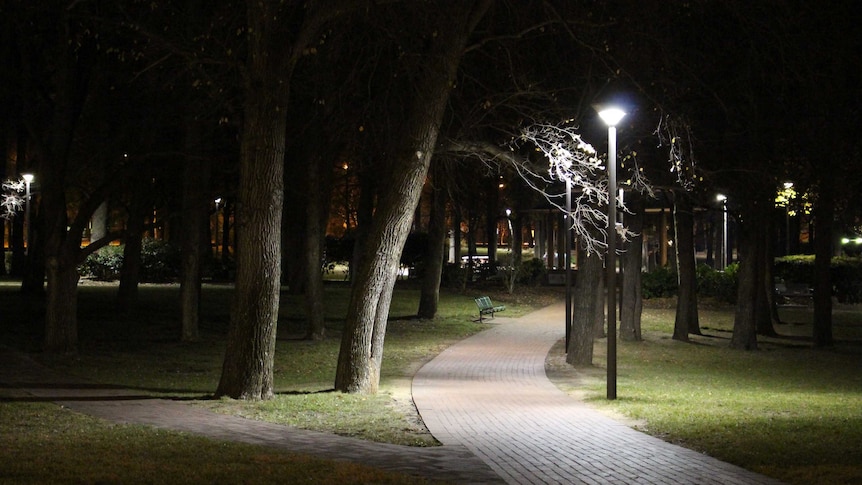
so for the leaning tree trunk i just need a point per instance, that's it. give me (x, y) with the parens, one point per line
(686, 321)
(361, 353)
(430, 294)
(632, 299)
(587, 284)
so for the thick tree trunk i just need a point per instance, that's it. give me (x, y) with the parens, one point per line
(61, 311)
(361, 352)
(766, 309)
(193, 239)
(587, 285)
(600, 306)
(824, 214)
(632, 299)
(247, 372)
(314, 235)
(750, 284)
(99, 222)
(430, 293)
(130, 273)
(33, 278)
(686, 321)
(295, 229)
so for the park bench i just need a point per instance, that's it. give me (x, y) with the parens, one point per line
(487, 308)
(792, 293)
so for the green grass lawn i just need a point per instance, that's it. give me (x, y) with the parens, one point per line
(787, 410)
(43, 442)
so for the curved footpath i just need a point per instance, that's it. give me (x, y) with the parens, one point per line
(487, 399)
(490, 394)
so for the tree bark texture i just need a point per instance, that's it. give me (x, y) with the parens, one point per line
(314, 239)
(194, 240)
(295, 226)
(824, 214)
(361, 351)
(766, 310)
(60, 249)
(130, 273)
(587, 285)
(61, 312)
(247, 372)
(750, 281)
(430, 292)
(632, 298)
(686, 321)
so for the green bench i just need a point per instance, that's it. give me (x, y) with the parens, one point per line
(487, 308)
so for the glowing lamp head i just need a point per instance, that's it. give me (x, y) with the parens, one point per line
(28, 177)
(611, 116)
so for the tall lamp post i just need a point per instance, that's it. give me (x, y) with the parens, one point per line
(611, 117)
(567, 222)
(28, 179)
(723, 199)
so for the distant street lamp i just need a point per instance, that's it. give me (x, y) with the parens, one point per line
(28, 179)
(612, 116)
(217, 202)
(723, 199)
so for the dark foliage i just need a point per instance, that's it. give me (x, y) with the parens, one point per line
(160, 262)
(846, 275)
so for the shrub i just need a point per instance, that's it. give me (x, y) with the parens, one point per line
(453, 276)
(662, 282)
(847, 279)
(160, 262)
(659, 283)
(796, 268)
(846, 273)
(105, 264)
(532, 272)
(721, 285)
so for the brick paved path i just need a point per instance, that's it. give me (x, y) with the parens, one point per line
(487, 399)
(490, 394)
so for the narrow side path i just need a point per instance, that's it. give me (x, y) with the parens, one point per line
(22, 379)
(489, 393)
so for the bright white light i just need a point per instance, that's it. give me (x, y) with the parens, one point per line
(721, 197)
(28, 177)
(611, 116)
(218, 201)
(788, 185)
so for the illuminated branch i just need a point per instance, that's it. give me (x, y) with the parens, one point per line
(10, 201)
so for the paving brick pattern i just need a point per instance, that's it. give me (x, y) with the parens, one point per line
(487, 399)
(490, 394)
